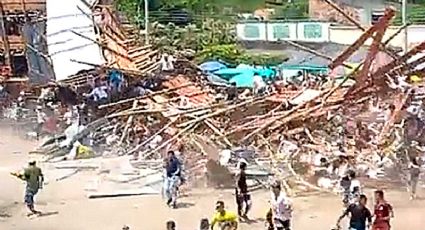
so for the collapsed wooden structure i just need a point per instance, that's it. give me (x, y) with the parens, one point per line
(186, 110)
(14, 14)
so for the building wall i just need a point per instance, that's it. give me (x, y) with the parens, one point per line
(360, 10)
(274, 31)
(320, 32)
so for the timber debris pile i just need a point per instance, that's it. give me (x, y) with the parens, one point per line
(305, 129)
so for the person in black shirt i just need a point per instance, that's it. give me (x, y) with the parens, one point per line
(242, 195)
(232, 92)
(359, 214)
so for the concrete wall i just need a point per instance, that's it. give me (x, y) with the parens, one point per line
(320, 32)
(274, 31)
(348, 34)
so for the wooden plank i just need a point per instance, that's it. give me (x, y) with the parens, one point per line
(133, 192)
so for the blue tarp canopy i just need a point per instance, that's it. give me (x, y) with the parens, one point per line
(211, 66)
(243, 74)
(244, 80)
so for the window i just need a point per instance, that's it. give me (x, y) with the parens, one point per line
(281, 31)
(312, 31)
(251, 31)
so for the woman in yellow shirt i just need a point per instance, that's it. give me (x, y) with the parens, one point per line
(226, 220)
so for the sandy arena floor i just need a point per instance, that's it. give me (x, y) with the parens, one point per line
(69, 209)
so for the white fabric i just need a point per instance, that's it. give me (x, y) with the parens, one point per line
(155, 142)
(355, 183)
(68, 117)
(258, 83)
(41, 117)
(70, 132)
(225, 157)
(99, 93)
(281, 207)
(73, 153)
(167, 62)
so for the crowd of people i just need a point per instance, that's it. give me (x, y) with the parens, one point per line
(280, 214)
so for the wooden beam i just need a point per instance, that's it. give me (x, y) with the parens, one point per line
(4, 37)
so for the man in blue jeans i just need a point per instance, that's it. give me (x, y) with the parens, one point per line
(359, 214)
(172, 178)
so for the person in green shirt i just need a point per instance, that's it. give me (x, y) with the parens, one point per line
(34, 179)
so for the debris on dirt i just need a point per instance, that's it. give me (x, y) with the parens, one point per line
(308, 130)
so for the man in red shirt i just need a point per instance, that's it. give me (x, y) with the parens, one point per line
(383, 212)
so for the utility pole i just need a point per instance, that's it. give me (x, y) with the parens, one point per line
(146, 21)
(404, 21)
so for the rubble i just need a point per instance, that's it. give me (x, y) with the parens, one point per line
(301, 134)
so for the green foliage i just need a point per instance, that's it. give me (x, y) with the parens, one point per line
(233, 54)
(207, 39)
(194, 37)
(211, 40)
(294, 10)
(415, 15)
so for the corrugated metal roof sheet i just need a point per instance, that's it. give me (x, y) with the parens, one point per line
(65, 45)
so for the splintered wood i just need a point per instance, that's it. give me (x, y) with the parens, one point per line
(186, 107)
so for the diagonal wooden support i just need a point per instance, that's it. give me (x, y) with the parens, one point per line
(389, 14)
(404, 58)
(373, 50)
(357, 24)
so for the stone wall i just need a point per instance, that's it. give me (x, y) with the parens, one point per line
(320, 10)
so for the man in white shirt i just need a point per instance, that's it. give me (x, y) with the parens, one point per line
(41, 119)
(259, 85)
(355, 187)
(71, 116)
(99, 94)
(280, 214)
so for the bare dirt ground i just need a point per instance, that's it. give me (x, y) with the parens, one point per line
(70, 210)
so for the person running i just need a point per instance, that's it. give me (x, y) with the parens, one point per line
(355, 187)
(359, 215)
(414, 171)
(280, 214)
(383, 212)
(34, 179)
(173, 173)
(225, 219)
(41, 119)
(242, 195)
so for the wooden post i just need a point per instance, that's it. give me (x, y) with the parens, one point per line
(4, 36)
(127, 125)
